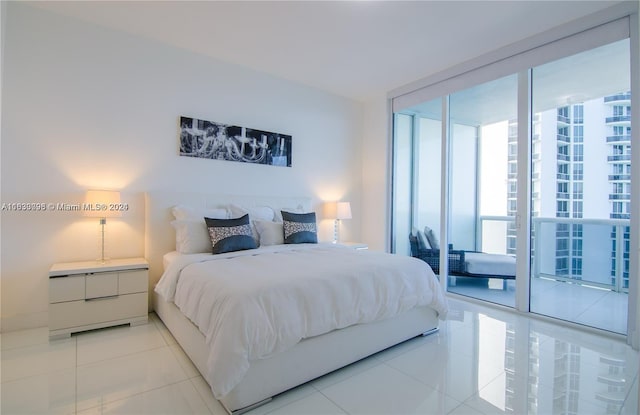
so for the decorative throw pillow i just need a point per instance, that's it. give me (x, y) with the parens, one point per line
(271, 233)
(299, 228)
(431, 237)
(228, 235)
(278, 215)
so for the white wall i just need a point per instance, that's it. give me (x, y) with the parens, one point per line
(376, 151)
(89, 107)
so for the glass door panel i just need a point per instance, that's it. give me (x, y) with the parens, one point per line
(428, 169)
(402, 182)
(581, 163)
(483, 184)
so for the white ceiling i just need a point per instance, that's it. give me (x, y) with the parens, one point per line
(357, 49)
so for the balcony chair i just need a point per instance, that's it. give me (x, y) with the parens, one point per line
(462, 263)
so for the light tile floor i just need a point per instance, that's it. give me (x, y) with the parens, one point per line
(482, 361)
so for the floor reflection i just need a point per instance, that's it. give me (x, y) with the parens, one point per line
(546, 368)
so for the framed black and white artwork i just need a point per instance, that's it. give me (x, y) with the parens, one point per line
(211, 140)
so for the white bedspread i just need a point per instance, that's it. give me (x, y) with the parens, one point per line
(253, 304)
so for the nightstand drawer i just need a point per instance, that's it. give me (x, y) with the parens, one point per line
(81, 313)
(101, 284)
(68, 288)
(133, 282)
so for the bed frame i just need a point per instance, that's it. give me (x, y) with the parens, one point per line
(307, 360)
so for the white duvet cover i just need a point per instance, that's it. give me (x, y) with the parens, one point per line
(253, 304)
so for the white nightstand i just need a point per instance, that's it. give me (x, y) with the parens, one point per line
(90, 295)
(355, 245)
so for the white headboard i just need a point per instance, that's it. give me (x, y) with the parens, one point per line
(160, 236)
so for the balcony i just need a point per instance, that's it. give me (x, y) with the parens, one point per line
(562, 195)
(619, 119)
(626, 138)
(618, 98)
(563, 157)
(605, 286)
(620, 216)
(619, 196)
(562, 176)
(563, 138)
(563, 120)
(619, 177)
(619, 157)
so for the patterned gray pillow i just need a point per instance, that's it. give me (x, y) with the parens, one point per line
(299, 228)
(228, 235)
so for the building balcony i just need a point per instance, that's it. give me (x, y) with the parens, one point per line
(494, 230)
(594, 293)
(564, 120)
(619, 177)
(562, 176)
(562, 195)
(619, 119)
(619, 196)
(626, 138)
(619, 157)
(620, 216)
(563, 138)
(563, 157)
(618, 98)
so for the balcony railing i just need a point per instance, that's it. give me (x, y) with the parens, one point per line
(618, 118)
(619, 157)
(620, 216)
(597, 235)
(563, 119)
(618, 97)
(563, 138)
(563, 157)
(619, 177)
(619, 196)
(562, 176)
(619, 138)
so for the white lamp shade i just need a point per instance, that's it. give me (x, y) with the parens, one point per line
(99, 204)
(343, 210)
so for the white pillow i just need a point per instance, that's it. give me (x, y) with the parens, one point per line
(192, 236)
(255, 213)
(182, 212)
(423, 242)
(431, 237)
(271, 233)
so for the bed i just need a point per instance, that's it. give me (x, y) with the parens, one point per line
(280, 354)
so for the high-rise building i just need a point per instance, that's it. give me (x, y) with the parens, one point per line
(581, 171)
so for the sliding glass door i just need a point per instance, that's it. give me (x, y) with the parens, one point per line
(581, 159)
(527, 178)
(482, 189)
